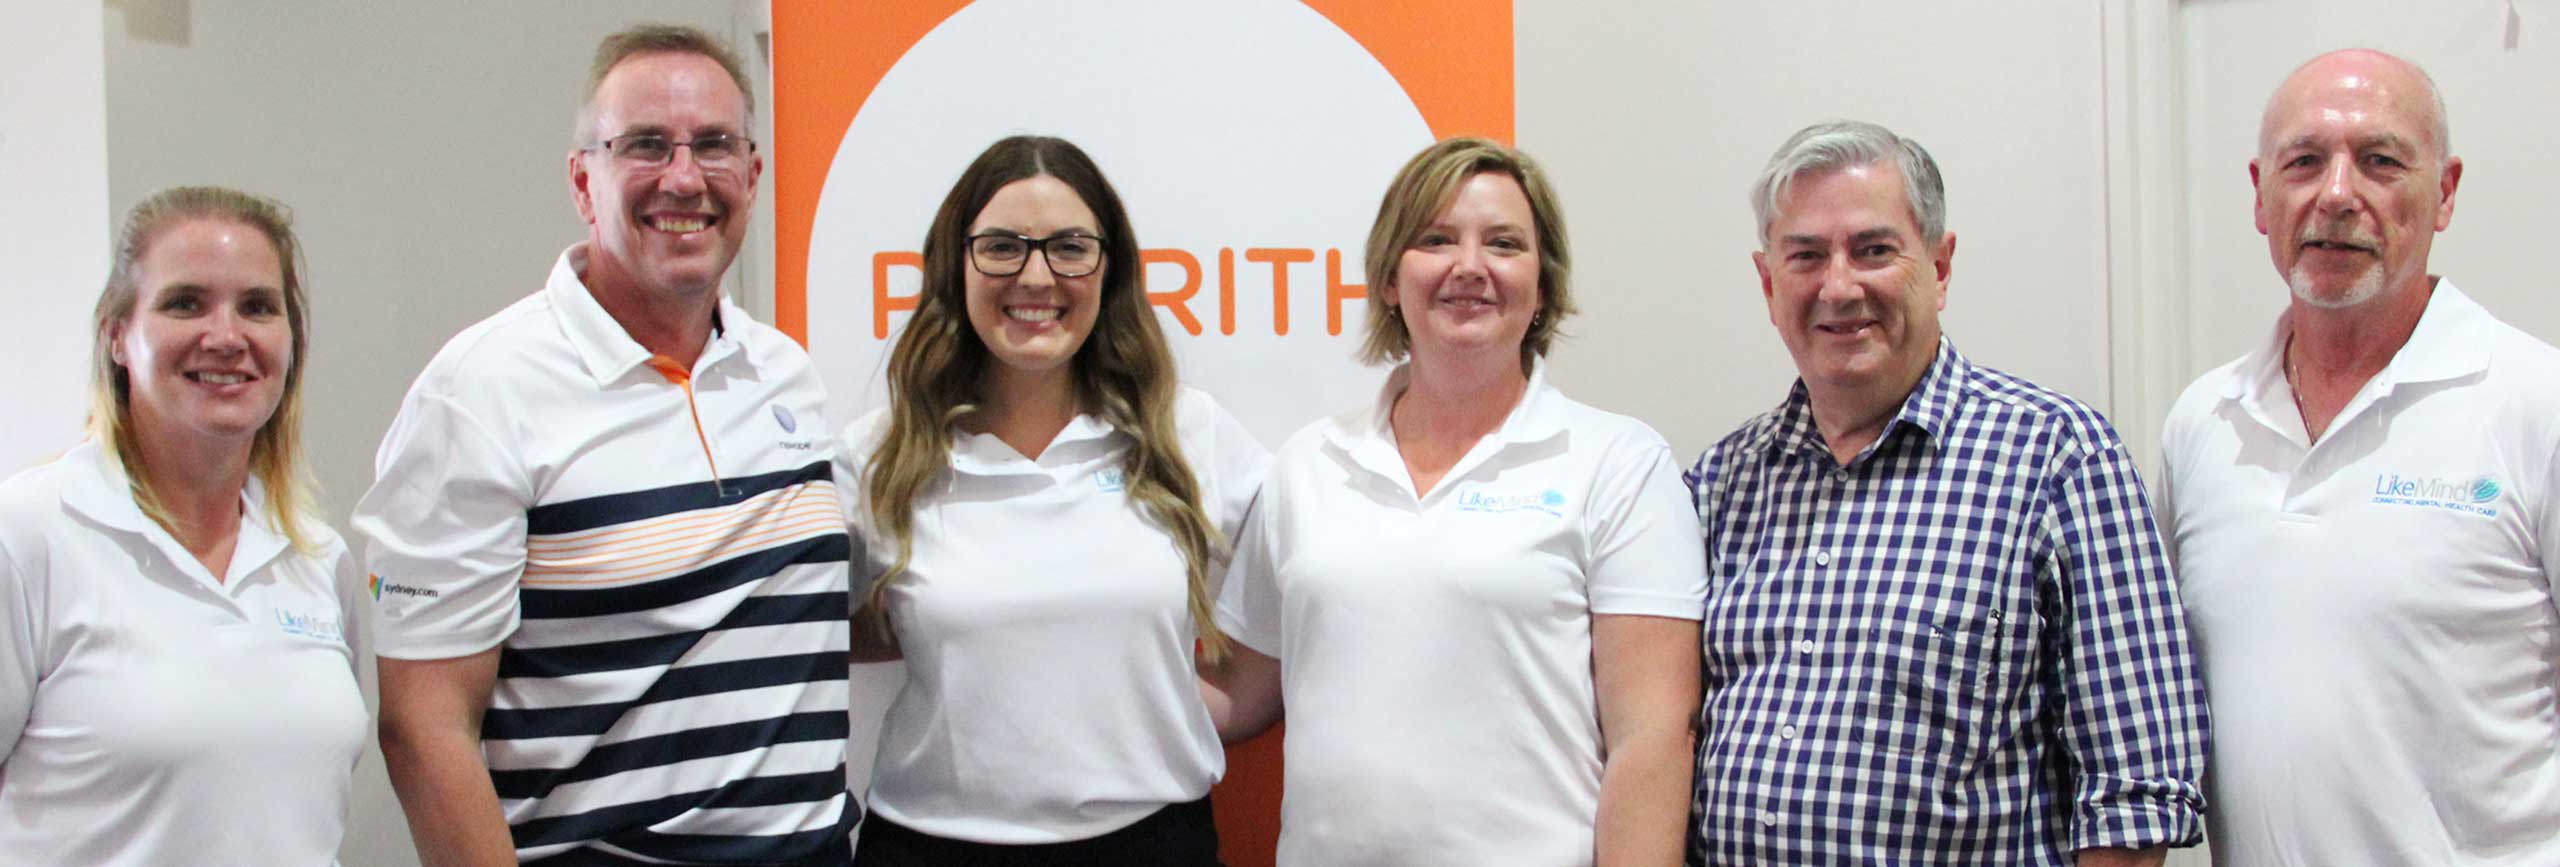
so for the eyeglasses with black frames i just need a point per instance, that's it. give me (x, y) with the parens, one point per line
(1003, 254)
(716, 154)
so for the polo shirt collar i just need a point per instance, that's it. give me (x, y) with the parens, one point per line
(1370, 439)
(2451, 341)
(987, 455)
(608, 352)
(1927, 410)
(95, 484)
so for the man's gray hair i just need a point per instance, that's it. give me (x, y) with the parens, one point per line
(1838, 145)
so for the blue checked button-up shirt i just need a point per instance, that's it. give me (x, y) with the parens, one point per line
(1963, 647)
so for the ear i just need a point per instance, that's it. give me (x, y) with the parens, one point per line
(578, 192)
(1943, 261)
(113, 334)
(1768, 288)
(2257, 198)
(2452, 180)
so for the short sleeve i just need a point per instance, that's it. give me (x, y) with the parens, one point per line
(21, 642)
(2549, 529)
(355, 612)
(1645, 553)
(853, 448)
(1231, 463)
(446, 525)
(1249, 598)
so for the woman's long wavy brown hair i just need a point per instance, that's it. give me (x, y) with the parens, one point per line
(1123, 373)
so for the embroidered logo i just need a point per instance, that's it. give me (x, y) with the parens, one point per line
(380, 587)
(782, 416)
(310, 626)
(1549, 502)
(2484, 489)
(2476, 497)
(1111, 480)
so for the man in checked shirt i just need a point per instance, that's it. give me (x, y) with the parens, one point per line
(1940, 627)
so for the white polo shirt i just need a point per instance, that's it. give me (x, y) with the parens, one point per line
(660, 555)
(1435, 652)
(1047, 631)
(2375, 611)
(152, 715)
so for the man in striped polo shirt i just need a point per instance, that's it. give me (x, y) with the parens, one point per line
(1940, 628)
(608, 554)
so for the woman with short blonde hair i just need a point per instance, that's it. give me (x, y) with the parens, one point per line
(1487, 594)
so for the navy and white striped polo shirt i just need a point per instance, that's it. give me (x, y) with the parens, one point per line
(660, 556)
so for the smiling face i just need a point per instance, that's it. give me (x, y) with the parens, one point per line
(1466, 286)
(672, 229)
(207, 346)
(1034, 321)
(1853, 288)
(2351, 180)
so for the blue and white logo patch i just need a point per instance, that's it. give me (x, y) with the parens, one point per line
(782, 415)
(313, 626)
(1547, 502)
(2478, 496)
(1111, 480)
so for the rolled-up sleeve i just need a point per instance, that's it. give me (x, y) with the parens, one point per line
(2133, 713)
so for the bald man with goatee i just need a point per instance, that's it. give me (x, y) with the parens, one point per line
(2365, 514)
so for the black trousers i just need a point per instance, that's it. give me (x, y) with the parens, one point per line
(1182, 835)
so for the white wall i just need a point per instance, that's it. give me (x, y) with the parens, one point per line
(1654, 117)
(53, 151)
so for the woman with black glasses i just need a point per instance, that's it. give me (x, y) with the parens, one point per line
(1043, 507)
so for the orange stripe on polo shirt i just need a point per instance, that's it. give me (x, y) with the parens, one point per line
(675, 373)
(679, 561)
(650, 545)
(797, 497)
(660, 548)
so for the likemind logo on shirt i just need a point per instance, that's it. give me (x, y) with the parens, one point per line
(1549, 501)
(2473, 497)
(310, 625)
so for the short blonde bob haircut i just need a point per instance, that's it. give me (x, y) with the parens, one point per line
(1423, 189)
(275, 455)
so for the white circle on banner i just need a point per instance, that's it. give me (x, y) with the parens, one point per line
(1227, 126)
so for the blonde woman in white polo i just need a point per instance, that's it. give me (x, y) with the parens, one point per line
(1045, 508)
(179, 638)
(1478, 598)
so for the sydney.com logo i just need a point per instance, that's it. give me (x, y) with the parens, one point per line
(2474, 497)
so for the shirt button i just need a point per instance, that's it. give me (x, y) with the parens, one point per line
(1768, 818)
(1822, 558)
(1787, 732)
(1805, 646)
